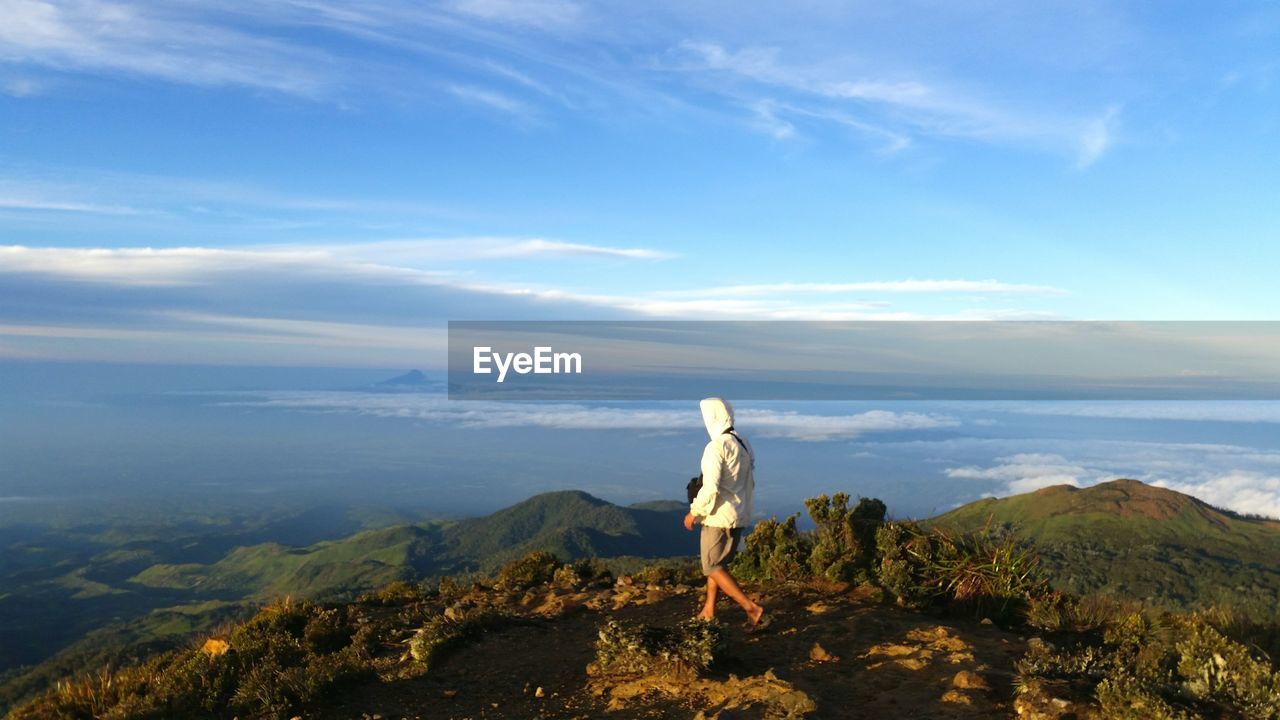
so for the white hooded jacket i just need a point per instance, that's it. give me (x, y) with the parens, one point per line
(728, 465)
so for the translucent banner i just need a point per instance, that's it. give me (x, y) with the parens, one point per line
(671, 360)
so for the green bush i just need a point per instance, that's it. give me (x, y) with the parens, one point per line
(583, 572)
(635, 648)
(1147, 663)
(397, 592)
(774, 551)
(1058, 612)
(985, 574)
(536, 568)
(288, 655)
(449, 589)
(669, 573)
(844, 539)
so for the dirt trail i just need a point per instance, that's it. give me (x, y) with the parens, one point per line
(850, 657)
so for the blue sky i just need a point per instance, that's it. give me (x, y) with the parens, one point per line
(326, 183)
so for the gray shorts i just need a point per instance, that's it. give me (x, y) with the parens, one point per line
(719, 547)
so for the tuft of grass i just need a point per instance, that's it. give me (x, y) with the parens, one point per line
(638, 649)
(985, 574)
(445, 633)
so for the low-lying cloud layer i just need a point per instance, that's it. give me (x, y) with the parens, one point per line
(566, 416)
(1239, 478)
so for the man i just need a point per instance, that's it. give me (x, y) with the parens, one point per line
(723, 506)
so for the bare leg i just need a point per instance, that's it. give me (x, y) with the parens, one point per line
(730, 587)
(709, 607)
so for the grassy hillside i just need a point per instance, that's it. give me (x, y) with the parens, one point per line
(1136, 540)
(72, 600)
(944, 625)
(570, 524)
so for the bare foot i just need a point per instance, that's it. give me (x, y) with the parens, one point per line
(753, 616)
(706, 615)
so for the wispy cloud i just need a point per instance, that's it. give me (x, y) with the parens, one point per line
(360, 291)
(524, 58)
(567, 416)
(547, 14)
(157, 41)
(889, 108)
(41, 204)
(1250, 411)
(1025, 472)
(20, 87)
(493, 100)
(890, 286)
(187, 265)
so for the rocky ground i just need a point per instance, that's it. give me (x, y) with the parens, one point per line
(828, 652)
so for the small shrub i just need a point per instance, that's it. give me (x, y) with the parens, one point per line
(668, 573)
(1218, 669)
(432, 642)
(1154, 664)
(635, 648)
(450, 589)
(583, 572)
(844, 540)
(985, 574)
(1058, 612)
(536, 568)
(397, 592)
(288, 655)
(774, 551)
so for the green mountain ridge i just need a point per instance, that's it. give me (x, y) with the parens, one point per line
(1122, 537)
(571, 524)
(1128, 538)
(134, 593)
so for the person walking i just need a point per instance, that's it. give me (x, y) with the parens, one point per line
(723, 506)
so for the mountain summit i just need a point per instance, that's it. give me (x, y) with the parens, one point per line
(1134, 539)
(413, 377)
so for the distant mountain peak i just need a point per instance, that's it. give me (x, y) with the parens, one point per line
(413, 377)
(1126, 497)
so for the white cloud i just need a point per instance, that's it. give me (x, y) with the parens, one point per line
(20, 87)
(889, 107)
(1240, 490)
(1250, 411)
(43, 204)
(890, 286)
(195, 265)
(1236, 477)
(405, 263)
(155, 41)
(570, 416)
(1096, 138)
(1025, 472)
(492, 99)
(536, 13)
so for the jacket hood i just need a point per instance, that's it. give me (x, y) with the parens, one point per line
(717, 415)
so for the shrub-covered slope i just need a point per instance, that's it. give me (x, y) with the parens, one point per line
(1136, 540)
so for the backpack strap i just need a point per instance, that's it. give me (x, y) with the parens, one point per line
(741, 444)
